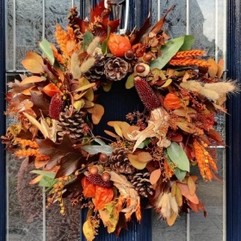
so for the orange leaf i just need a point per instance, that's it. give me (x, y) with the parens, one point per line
(36, 180)
(51, 89)
(155, 175)
(103, 196)
(89, 189)
(32, 80)
(191, 185)
(213, 68)
(97, 112)
(186, 193)
(144, 157)
(33, 63)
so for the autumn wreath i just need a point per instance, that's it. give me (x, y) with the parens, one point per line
(146, 157)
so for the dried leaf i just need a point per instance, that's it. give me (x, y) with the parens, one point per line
(144, 157)
(167, 83)
(135, 162)
(33, 63)
(32, 79)
(191, 185)
(51, 89)
(213, 68)
(85, 87)
(96, 113)
(172, 219)
(186, 193)
(88, 230)
(155, 175)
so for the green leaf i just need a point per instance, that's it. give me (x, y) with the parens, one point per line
(130, 82)
(45, 46)
(47, 182)
(178, 156)
(87, 39)
(167, 52)
(94, 149)
(188, 42)
(104, 46)
(44, 173)
(180, 174)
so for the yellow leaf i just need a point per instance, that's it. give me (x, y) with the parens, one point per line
(32, 79)
(135, 162)
(79, 104)
(89, 95)
(191, 185)
(97, 112)
(178, 197)
(88, 230)
(167, 83)
(33, 63)
(155, 175)
(116, 126)
(85, 87)
(172, 219)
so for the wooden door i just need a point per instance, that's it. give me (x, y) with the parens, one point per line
(26, 22)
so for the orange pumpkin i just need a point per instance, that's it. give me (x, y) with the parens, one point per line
(172, 102)
(118, 44)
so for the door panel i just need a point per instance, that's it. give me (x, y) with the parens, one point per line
(29, 21)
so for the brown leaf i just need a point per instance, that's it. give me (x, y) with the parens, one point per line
(155, 175)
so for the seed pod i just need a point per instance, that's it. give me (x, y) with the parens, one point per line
(146, 94)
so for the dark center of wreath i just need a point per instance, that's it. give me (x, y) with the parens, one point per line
(117, 102)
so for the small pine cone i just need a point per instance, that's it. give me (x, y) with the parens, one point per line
(141, 182)
(120, 163)
(96, 179)
(74, 126)
(96, 72)
(116, 69)
(146, 94)
(74, 22)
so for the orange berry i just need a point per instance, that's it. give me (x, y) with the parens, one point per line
(119, 44)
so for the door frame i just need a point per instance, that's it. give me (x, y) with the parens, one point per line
(233, 126)
(2, 124)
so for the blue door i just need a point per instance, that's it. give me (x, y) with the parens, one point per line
(215, 26)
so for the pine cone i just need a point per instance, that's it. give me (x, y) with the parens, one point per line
(74, 126)
(141, 182)
(96, 72)
(116, 69)
(74, 22)
(120, 163)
